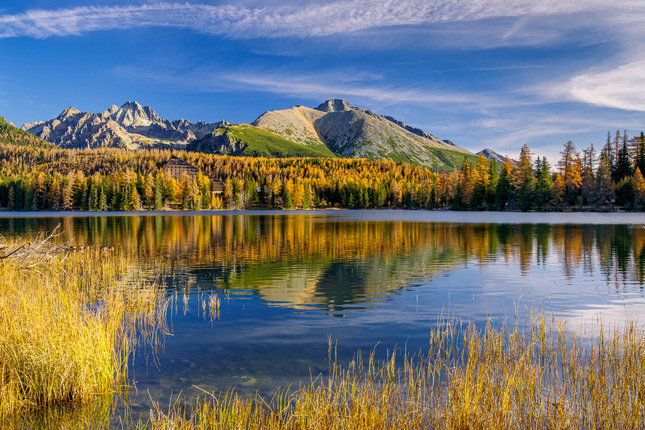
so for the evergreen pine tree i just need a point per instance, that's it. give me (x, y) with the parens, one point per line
(102, 206)
(504, 187)
(85, 195)
(93, 199)
(11, 201)
(604, 192)
(640, 153)
(525, 179)
(493, 174)
(543, 182)
(623, 165)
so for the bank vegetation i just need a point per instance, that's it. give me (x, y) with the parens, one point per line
(49, 178)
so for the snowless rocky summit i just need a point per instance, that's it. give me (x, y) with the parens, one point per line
(131, 126)
(350, 131)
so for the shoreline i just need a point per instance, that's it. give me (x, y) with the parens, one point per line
(415, 215)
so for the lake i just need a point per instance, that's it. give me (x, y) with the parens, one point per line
(288, 282)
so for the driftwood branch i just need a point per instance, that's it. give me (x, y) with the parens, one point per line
(39, 250)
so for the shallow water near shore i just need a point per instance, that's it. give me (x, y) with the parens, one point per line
(287, 282)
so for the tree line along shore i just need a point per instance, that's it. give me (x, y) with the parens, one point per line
(110, 179)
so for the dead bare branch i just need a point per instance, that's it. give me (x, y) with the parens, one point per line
(41, 249)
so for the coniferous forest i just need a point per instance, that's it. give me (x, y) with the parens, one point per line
(38, 177)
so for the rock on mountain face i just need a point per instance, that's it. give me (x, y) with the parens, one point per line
(217, 142)
(349, 131)
(131, 126)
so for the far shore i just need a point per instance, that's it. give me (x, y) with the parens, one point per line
(417, 215)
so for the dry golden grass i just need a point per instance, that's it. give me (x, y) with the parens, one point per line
(68, 325)
(539, 378)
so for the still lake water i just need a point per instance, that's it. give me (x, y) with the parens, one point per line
(289, 281)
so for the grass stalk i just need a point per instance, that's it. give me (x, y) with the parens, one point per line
(540, 377)
(68, 325)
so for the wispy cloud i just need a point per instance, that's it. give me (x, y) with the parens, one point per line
(498, 119)
(360, 87)
(313, 19)
(325, 85)
(622, 87)
(507, 131)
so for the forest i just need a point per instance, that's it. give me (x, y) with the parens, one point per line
(41, 177)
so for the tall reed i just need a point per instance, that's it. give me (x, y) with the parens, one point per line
(539, 377)
(68, 326)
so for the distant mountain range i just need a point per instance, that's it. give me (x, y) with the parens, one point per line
(130, 126)
(333, 129)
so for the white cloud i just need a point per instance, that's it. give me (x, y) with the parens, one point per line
(313, 19)
(622, 87)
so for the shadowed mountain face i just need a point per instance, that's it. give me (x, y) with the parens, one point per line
(131, 126)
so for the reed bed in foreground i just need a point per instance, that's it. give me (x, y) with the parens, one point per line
(68, 325)
(541, 377)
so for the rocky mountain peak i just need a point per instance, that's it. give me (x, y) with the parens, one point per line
(335, 105)
(131, 125)
(70, 111)
(132, 114)
(131, 105)
(350, 131)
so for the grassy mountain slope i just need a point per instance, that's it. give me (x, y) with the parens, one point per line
(14, 136)
(448, 159)
(248, 140)
(262, 143)
(258, 142)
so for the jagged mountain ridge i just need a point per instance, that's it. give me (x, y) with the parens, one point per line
(334, 128)
(131, 126)
(349, 131)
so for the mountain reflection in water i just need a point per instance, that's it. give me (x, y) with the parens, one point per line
(305, 261)
(281, 276)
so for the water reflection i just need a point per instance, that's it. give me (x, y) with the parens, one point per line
(331, 263)
(281, 276)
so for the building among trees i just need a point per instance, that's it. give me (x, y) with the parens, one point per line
(177, 169)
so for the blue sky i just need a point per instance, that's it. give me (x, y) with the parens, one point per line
(481, 73)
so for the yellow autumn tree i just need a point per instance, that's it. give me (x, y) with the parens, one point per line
(481, 179)
(298, 197)
(638, 183)
(570, 166)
